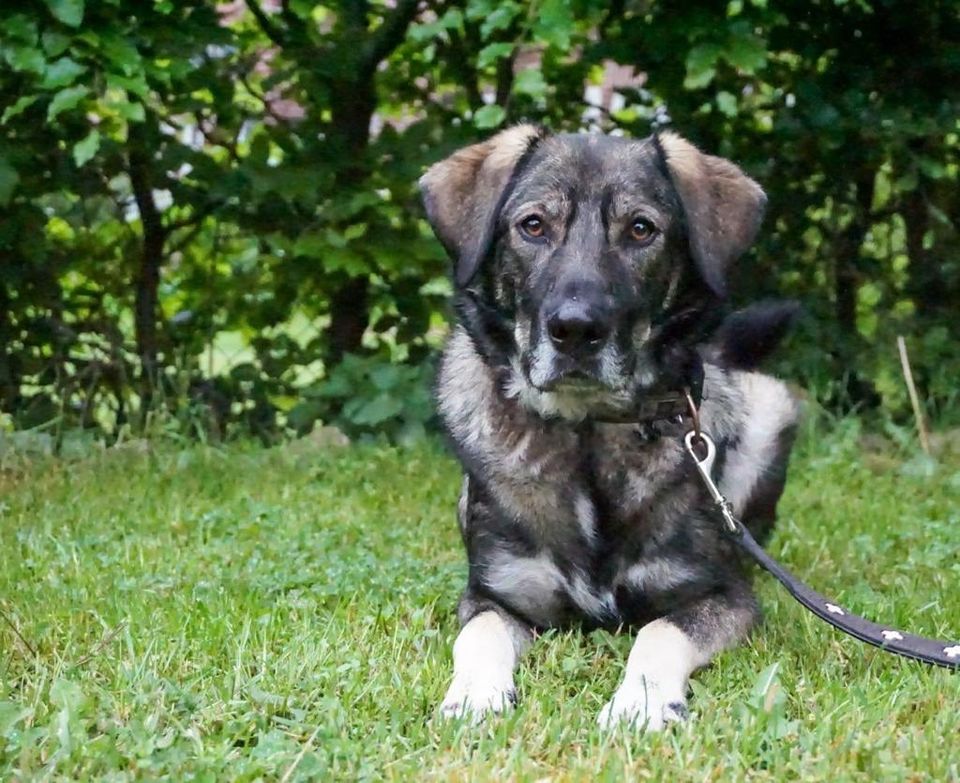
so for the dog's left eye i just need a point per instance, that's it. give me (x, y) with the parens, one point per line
(533, 226)
(642, 230)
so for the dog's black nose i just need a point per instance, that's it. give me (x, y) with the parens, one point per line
(577, 330)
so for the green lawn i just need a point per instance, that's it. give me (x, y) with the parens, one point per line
(239, 613)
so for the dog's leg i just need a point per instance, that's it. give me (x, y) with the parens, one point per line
(667, 651)
(485, 656)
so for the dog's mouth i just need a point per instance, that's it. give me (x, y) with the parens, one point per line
(574, 381)
(583, 378)
(570, 378)
(580, 395)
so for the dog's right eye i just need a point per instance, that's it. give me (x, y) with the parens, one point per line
(532, 226)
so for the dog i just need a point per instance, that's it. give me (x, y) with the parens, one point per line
(590, 273)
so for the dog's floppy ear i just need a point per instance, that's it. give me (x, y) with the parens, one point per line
(463, 195)
(722, 205)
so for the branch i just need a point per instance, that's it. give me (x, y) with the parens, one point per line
(505, 78)
(614, 13)
(267, 108)
(444, 111)
(390, 34)
(139, 172)
(186, 239)
(354, 15)
(256, 93)
(216, 139)
(274, 33)
(198, 215)
(288, 15)
(461, 63)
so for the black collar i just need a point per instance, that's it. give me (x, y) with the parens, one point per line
(669, 401)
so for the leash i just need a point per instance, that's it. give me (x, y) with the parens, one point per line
(932, 651)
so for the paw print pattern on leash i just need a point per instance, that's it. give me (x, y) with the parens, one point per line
(893, 636)
(952, 652)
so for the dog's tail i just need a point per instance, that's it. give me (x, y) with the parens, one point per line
(747, 337)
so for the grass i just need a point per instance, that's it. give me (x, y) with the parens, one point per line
(287, 614)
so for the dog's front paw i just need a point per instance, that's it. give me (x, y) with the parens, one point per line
(644, 705)
(474, 699)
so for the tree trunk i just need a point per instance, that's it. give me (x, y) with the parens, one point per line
(353, 106)
(349, 316)
(845, 288)
(926, 286)
(353, 101)
(9, 380)
(147, 282)
(846, 264)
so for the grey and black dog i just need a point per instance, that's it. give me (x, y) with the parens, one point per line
(590, 272)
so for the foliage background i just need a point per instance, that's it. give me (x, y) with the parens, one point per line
(210, 223)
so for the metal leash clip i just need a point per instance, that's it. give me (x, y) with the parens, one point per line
(705, 468)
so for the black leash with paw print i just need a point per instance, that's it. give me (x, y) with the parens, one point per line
(933, 651)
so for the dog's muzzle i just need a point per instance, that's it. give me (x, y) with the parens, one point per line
(578, 329)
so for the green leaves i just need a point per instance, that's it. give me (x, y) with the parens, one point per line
(61, 73)
(427, 31)
(369, 413)
(931, 167)
(491, 53)
(500, 18)
(8, 181)
(740, 48)
(55, 43)
(70, 12)
(555, 23)
(66, 99)
(86, 149)
(727, 103)
(530, 82)
(25, 58)
(335, 249)
(273, 213)
(489, 116)
(121, 52)
(20, 27)
(22, 104)
(135, 84)
(745, 51)
(366, 395)
(701, 66)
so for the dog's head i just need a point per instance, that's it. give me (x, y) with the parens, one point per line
(585, 263)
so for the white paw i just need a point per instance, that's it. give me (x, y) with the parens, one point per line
(474, 699)
(644, 705)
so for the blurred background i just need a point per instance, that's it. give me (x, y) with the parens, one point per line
(210, 228)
